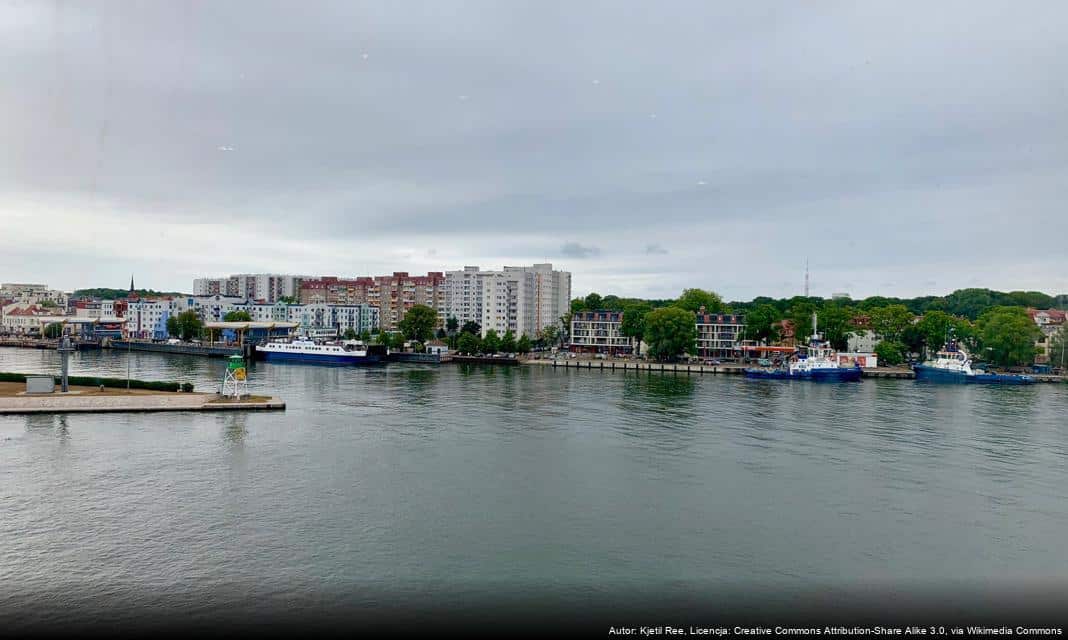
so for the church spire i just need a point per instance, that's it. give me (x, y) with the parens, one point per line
(131, 284)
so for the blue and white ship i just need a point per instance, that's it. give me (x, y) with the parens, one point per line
(303, 349)
(952, 364)
(819, 364)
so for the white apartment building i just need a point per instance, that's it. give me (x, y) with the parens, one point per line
(252, 286)
(524, 300)
(148, 318)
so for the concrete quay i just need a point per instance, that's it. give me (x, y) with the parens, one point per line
(90, 402)
(899, 373)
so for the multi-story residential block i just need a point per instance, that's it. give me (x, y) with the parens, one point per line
(268, 287)
(862, 341)
(34, 294)
(524, 300)
(334, 290)
(599, 332)
(718, 334)
(394, 295)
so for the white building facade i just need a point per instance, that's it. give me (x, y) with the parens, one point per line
(147, 319)
(523, 300)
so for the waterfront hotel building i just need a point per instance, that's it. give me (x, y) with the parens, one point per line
(599, 332)
(718, 334)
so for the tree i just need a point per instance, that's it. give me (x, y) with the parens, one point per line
(491, 342)
(760, 323)
(508, 342)
(836, 324)
(288, 299)
(365, 336)
(936, 327)
(452, 325)
(523, 344)
(612, 303)
(350, 334)
(888, 322)
(549, 335)
(890, 353)
(467, 343)
(53, 330)
(187, 324)
(1007, 336)
(471, 327)
(237, 316)
(670, 332)
(419, 322)
(694, 299)
(633, 324)
(441, 334)
(172, 326)
(800, 315)
(48, 304)
(593, 302)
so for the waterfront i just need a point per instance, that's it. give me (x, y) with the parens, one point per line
(452, 482)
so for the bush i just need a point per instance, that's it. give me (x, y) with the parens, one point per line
(114, 383)
(187, 387)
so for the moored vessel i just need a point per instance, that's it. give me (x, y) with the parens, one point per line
(819, 364)
(953, 364)
(303, 349)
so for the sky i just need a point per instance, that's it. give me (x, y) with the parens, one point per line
(901, 148)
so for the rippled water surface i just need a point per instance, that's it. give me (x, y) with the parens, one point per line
(416, 479)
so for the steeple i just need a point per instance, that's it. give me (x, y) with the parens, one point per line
(131, 284)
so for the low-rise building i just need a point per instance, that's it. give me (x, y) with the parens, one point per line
(599, 332)
(1049, 322)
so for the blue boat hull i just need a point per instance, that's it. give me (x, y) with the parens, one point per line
(307, 358)
(926, 373)
(845, 374)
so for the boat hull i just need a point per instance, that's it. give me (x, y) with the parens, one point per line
(308, 358)
(927, 373)
(843, 374)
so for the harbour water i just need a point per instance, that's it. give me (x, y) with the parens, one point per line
(448, 483)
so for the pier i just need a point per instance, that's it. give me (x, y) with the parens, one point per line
(80, 399)
(212, 351)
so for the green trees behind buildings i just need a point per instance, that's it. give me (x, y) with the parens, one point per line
(1007, 336)
(419, 323)
(670, 332)
(186, 325)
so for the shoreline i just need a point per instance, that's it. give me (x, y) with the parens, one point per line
(587, 364)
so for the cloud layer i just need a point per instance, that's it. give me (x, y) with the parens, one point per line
(902, 148)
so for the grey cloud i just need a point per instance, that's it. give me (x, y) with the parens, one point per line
(654, 249)
(576, 250)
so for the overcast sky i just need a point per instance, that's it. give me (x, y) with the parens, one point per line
(902, 148)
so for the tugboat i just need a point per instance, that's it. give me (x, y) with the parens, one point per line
(304, 349)
(820, 364)
(953, 364)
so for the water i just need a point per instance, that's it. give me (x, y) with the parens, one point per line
(394, 485)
